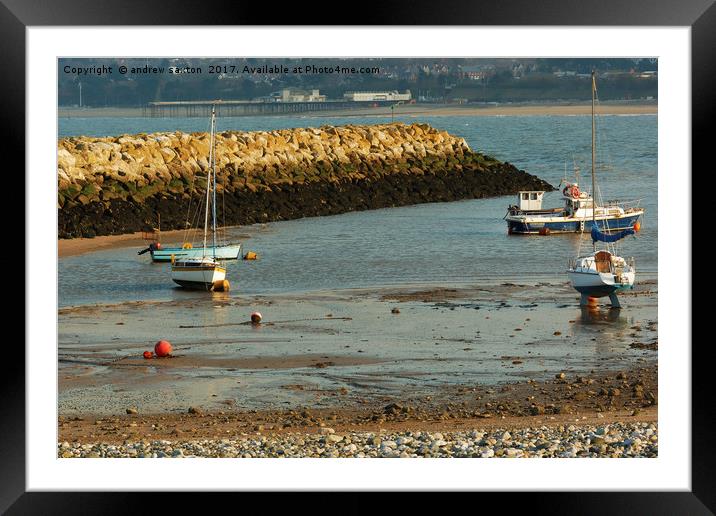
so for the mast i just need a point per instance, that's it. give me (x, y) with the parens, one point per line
(208, 178)
(594, 190)
(213, 173)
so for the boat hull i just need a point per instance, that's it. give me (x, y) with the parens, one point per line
(198, 278)
(570, 225)
(224, 252)
(595, 284)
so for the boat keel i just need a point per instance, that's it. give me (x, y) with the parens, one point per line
(584, 300)
(615, 300)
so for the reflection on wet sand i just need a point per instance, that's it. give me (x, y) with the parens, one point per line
(352, 346)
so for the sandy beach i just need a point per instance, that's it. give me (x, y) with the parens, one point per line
(360, 363)
(417, 110)
(76, 246)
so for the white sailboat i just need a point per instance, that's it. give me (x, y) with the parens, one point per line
(203, 270)
(222, 250)
(603, 272)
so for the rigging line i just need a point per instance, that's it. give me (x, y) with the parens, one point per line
(189, 224)
(223, 210)
(604, 141)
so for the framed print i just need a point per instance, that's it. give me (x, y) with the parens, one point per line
(268, 257)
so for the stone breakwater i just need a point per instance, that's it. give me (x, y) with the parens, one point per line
(614, 440)
(122, 184)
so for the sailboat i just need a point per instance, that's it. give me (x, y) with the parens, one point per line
(603, 272)
(222, 250)
(202, 269)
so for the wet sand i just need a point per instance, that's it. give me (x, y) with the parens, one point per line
(477, 410)
(445, 354)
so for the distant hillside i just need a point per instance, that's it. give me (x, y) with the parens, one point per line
(83, 82)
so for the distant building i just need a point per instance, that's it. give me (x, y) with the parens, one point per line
(478, 72)
(291, 95)
(373, 96)
(648, 74)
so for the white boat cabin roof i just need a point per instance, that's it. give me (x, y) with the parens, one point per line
(530, 199)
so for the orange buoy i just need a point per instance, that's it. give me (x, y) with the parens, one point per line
(251, 256)
(148, 354)
(637, 226)
(256, 317)
(592, 301)
(544, 231)
(163, 348)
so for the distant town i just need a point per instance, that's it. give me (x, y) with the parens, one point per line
(144, 82)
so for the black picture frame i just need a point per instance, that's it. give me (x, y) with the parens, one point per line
(700, 15)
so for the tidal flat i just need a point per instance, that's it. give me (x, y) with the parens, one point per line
(402, 359)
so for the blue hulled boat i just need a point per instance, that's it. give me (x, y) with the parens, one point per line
(578, 214)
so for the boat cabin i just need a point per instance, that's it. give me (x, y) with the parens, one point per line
(578, 207)
(530, 199)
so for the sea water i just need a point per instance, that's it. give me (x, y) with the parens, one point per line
(462, 242)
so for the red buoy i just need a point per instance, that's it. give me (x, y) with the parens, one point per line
(256, 317)
(148, 354)
(163, 348)
(637, 226)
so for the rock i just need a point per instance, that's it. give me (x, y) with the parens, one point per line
(566, 408)
(132, 410)
(536, 410)
(195, 410)
(395, 311)
(352, 166)
(392, 408)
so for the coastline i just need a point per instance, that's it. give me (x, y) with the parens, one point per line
(77, 246)
(598, 421)
(329, 370)
(416, 110)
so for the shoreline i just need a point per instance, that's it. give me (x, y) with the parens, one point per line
(77, 246)
(641, 107)
(593, 416)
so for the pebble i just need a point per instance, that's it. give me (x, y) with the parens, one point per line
(614, 440)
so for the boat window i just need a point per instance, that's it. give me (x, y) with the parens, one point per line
(525, 196)
(533, 196)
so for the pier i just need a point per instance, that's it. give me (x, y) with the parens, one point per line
(202, 108)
